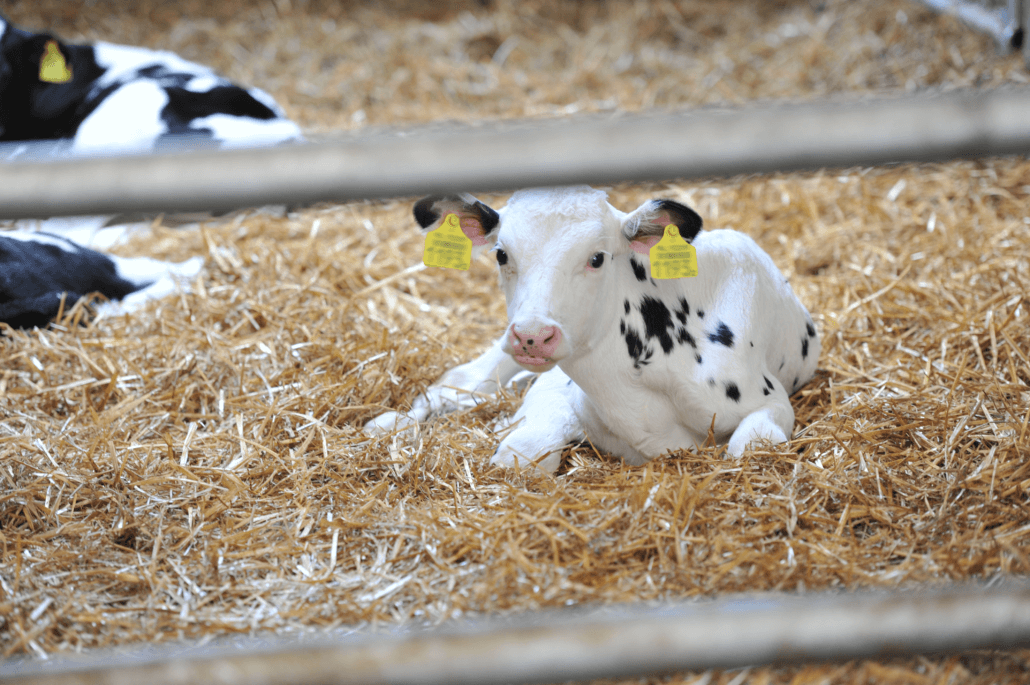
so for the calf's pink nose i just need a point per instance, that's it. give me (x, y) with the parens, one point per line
(536, 341)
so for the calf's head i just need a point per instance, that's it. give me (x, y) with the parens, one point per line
(566, 257)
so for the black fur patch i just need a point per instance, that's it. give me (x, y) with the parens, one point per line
(768, 383)
(625, 305)
(804, 348)
(684, 311)
(424, 213)
(723, 335)
(810, 329)
(733, 392)
(684, 337)
(638, 270)
(765, 391)
(185, 105)
(700, 313)
(622, 327)
(634, 346)
(657, 322)
(697, 357)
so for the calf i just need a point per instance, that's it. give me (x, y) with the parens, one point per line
(114, 98)
(40, 273)
(636, 365)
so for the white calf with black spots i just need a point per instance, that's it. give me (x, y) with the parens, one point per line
(636, 365)
(102, 97)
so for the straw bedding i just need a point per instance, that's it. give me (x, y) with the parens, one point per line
(198, 469)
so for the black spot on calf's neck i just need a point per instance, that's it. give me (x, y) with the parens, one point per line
(722, 335)
(684, 337)
(634, 345)
(638, 270)
(657, 322)
(684, 310)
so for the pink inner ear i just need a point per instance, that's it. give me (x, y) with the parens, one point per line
(643, 245)
(662, 219)
(472, 228)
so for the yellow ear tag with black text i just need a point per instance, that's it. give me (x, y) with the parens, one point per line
(52, 66)
(447, 246)
(672, 256)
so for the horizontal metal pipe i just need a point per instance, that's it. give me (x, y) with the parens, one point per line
(558, 646)
(506, 155)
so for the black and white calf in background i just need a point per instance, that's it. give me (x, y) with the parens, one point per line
(638, 366)
(106, 99)
(41, 273)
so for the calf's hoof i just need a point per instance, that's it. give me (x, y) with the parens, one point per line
(741, 440)
(390, 422)
(510, 457)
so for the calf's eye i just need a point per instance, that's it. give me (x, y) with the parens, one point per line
(502, 257)
(597, 260)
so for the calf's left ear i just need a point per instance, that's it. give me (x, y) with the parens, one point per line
(645, 225)
(478, 221)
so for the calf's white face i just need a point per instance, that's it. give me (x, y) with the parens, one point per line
(552, 250)
(555, 250)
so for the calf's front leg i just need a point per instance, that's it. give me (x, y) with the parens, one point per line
(457, 389)
(546, 422)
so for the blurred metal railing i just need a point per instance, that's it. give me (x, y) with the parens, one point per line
(507, 155)
(559, 646)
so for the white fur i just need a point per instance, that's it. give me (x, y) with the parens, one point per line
(127, 120)
(121, 61)
(160, 279)
(591, 387)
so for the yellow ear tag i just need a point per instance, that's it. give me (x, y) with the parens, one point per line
(52, 67)
(447, 246)
(672, 256)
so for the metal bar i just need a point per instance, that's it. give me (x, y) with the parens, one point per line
(610, 643)
(507, 155)
(1001, 24)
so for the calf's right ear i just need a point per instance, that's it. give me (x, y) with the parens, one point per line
(478, 221)
(645, 225)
